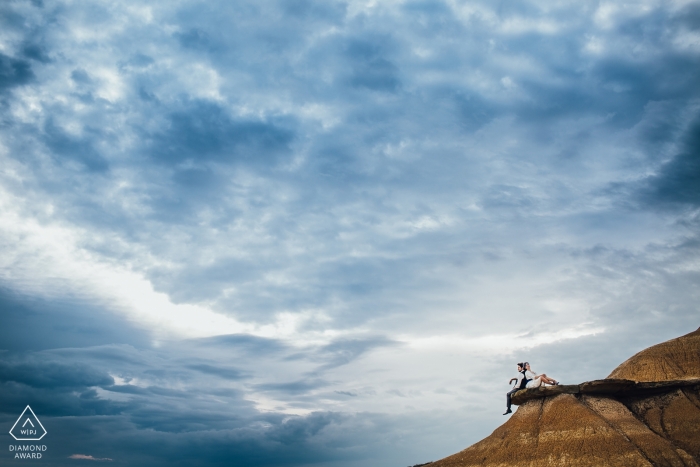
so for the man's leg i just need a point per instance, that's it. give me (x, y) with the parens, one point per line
(509, 395)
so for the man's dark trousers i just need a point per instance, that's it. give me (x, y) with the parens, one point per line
(509, 395)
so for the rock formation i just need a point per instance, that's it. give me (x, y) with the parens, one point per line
(675, 359)
(646, 413)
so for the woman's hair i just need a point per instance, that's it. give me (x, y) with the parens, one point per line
(526, 363)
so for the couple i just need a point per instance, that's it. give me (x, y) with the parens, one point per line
(526, 379)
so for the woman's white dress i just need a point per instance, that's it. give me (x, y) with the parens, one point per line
(535, 379)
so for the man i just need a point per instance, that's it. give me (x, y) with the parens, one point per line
(520, 383)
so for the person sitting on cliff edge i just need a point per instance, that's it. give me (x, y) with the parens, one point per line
(520, 383)
(535, 380)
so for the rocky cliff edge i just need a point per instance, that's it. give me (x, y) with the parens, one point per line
(646, 413)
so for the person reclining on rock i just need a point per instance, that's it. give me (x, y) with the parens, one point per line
(535, 380)
(520, 383)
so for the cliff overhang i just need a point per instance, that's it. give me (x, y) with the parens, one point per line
(605, 387)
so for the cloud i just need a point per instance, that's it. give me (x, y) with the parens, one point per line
(35, 52)
(80, 150)
(43, 374)
(344, 351)
(89, 457)
(202, 131)
(294, 387)
(369, 69)
(14, 72)
(677, 181)
(33, 323)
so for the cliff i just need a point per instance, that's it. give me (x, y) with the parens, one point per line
(646, 413)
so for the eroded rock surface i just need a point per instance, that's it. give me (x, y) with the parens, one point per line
(674, 359)
(646, 413)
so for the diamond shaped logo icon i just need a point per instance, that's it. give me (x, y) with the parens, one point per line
(28, 427)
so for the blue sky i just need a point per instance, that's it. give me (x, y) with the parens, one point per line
(304, 232)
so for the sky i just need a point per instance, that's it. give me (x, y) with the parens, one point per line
(321, 233)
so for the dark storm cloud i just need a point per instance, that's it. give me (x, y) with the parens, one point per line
(204, 131)
(689, 16)
(54, 402)
(677, 182)
(296, 431)
(148, 427)
(78, 382)
(79, 149)
(54, 386)
(289, 441)
(35, 52)
(61, 382)
(14, 72)
(167, 418)
(44, 374)
(35, 323)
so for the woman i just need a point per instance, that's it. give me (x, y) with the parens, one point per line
(535, 379)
